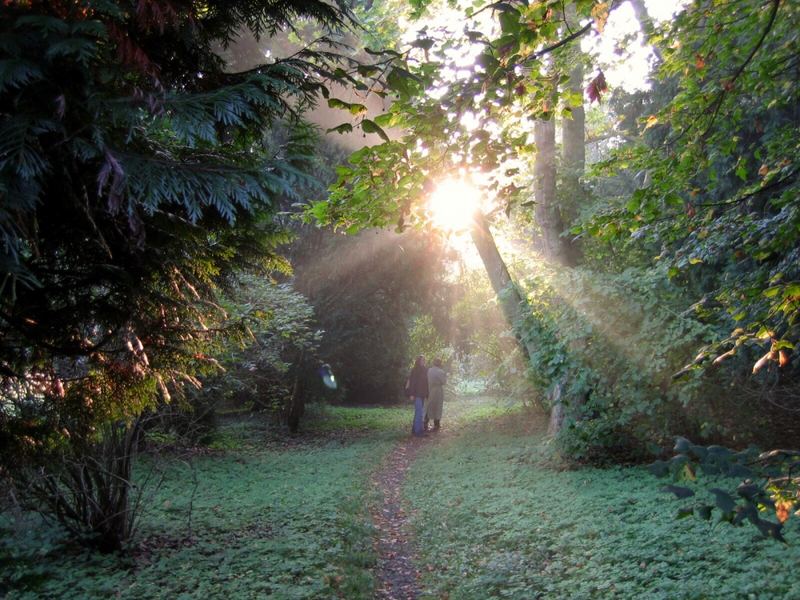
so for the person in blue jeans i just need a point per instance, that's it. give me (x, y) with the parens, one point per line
(417, 391)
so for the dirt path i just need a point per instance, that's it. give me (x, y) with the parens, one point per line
(397, 576)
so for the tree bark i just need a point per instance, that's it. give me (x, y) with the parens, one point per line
(512, 302)
(573, 133)
(573, 148)
(515, 309)
(547, 211)
(573, 165)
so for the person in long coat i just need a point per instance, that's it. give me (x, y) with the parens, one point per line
(417, 392)
(433, 406)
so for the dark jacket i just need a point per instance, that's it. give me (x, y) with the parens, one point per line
(418, 382)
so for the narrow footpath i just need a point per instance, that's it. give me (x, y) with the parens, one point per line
(396, 572)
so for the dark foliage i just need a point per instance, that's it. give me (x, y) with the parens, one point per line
(365, 290)
(127, 151)
(766, 483)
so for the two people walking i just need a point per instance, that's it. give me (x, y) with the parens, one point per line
(425, 387)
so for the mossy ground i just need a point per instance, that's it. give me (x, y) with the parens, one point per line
(256, 513)
(270, 516)
(496, 518)
(287, 517)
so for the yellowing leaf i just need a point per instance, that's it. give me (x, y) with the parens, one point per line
(600, 13)
(725, 356)
(357, 109)
(760, 363)
(699, 62)
(783, 510)
(763, 361)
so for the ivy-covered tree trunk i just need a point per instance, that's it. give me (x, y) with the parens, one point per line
(548, 216)
(512, 302)
(571, 196)
(514, 306)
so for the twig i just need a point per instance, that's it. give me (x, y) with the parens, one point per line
(729, 84)
(558, 44)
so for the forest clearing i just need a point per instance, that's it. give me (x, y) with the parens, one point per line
(399, 299)
(489, 516)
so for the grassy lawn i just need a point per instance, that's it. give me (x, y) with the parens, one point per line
(457, 414)
(270, 515)
(288, 517)
(493, 522)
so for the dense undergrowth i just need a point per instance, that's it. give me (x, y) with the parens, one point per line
(497, 518)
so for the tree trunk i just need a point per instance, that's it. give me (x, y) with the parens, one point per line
(296, 407)
(512, 303)
(547, 212)
(573, 163)
(514, 306)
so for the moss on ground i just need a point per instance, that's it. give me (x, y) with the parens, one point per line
(287, 517)
(254, 513)
(270, 516)
(493, 521)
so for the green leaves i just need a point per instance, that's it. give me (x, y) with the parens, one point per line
(129, 149)
(369, 126)
(620, 543)
(354, 108)
(680, 492)
(78, 49)
(723, 500)
(705, 206)
(16, 72)
(402, 82)
(753, 496)
(342, 128)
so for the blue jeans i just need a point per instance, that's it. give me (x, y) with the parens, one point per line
(417, 427)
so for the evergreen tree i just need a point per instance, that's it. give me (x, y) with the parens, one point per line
(128, 152)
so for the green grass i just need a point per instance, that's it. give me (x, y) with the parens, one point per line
(343, 420)
(270, 515)
(287, 517)
(492, 522)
